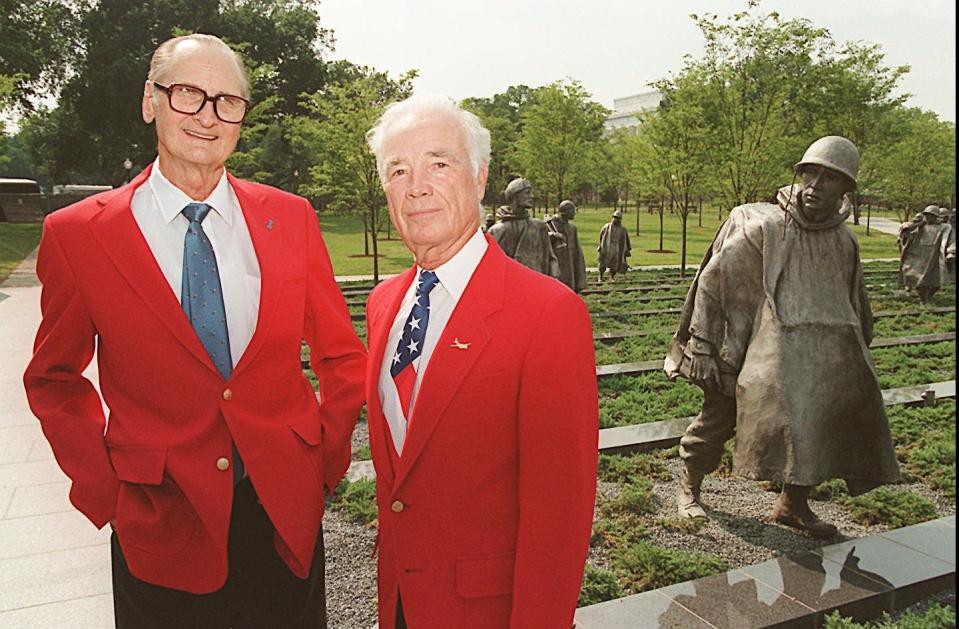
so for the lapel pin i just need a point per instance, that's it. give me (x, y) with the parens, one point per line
(458, 345)
(269, 224)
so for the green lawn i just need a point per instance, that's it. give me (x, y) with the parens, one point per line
(17, 240)
(344, 238)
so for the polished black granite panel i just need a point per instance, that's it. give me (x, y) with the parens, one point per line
(648, 610)
(642, 437)
(936, 538)
(913, 574)
(824, 585)
(733, 600)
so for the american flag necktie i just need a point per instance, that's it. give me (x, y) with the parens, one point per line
(410, 346)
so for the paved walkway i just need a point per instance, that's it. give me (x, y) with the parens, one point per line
(54, 565)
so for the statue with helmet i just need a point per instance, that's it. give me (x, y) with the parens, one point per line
(613, 247)
(523, 238)
(775, 330)
(565, 241)
(922, 261)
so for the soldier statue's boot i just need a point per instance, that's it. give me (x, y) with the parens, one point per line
(687, 496)
(792, 509)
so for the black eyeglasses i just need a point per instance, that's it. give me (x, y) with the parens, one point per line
(187, 99)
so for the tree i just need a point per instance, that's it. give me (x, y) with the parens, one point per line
(97, 121)
(680, 146)
(502, 115)
(920, 167)
(334, 131)
(858, 103)
(562, 130)
(38, 46)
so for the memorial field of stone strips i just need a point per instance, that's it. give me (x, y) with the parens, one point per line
(649, 568)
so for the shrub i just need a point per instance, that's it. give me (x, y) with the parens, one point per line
(357, 500)
(616, 468)
(599, 585)
(690, 526)
(894, 508)
(935, 617)
(644, 566)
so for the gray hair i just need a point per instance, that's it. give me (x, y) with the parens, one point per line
(165, 55)
(406, 113)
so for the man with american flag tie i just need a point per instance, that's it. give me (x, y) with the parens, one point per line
(486, 473)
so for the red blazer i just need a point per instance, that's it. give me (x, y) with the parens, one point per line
(155, 469)
(485, 520)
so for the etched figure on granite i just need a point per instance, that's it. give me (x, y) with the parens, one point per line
(565, 239)
(922, 259)
(523, 238)
(613, 247)
(775, 330)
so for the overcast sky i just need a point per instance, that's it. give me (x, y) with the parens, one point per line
(616, 47)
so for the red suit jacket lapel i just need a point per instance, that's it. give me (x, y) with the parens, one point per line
(448, 365)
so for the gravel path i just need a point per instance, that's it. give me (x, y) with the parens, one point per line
(739, 530)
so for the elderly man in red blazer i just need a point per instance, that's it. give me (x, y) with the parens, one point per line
(486, 469)
(196, 291)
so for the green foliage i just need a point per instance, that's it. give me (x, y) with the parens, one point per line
(936, 616)
(357, 500)
(631, 468)
(645, 566)
(502, 114)
(689, 526)
(38, 44)
(342, 168)
(599, 585)
(830, 490)
(891, 507)
(363, 453)
(649, 397)
(560, 137)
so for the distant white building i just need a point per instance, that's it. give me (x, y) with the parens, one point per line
(626, 108)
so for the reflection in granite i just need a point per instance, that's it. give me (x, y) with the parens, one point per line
(640, 611)
(936, 538)
(622, 369)
(825, 585)
(911, 395)
(735, 601)
(643, 437)
(913, 574)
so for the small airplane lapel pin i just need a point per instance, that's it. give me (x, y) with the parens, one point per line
(458, 345)
(269, 224)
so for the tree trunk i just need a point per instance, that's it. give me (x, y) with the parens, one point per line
(662, 210)
(366, 235)
(376, 247)
(856, 210)
(637, 215)
(700, 210)
(684, 216)
(868, 217)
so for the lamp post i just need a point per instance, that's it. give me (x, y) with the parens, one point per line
(127, 167)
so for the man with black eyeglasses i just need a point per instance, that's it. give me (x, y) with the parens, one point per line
(196, 290)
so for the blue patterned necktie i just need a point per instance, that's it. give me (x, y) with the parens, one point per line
(411, 342)
(202, 299)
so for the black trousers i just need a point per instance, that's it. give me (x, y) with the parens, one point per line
(260, 591)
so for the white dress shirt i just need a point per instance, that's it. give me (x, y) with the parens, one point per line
(453, 277)
(157, 207)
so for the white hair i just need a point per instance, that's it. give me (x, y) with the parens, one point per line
(407, 113)
(165, 56)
